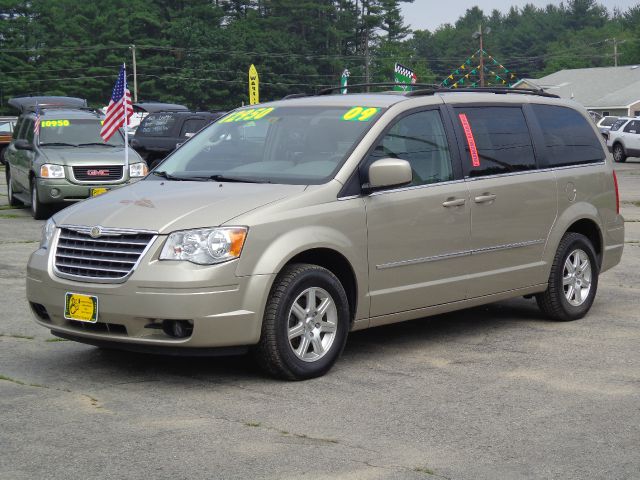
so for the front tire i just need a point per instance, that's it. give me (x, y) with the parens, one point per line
(305, 325)
(39, 211)
(618, 154)
(573, 280)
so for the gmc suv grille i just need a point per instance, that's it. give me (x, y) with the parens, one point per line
(98, 173)
(108, 256)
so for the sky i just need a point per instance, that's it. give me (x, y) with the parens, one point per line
(430, 14)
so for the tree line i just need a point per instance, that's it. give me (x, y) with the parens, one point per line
(198, 52)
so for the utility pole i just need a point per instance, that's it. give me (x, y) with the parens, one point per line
(480, 34)
(135, 74)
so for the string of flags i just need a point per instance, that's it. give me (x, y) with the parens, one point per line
(468, 74)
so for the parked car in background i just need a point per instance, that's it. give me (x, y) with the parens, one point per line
(605, 123)
(67, 160)
(624, 138)
(7, 125)
(160, 132)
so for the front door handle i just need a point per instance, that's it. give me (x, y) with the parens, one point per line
(487, 197)
(456, 202)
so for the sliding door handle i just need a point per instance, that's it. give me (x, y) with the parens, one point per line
(455, 202)
(487, 197)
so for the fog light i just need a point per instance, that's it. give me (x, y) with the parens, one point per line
(55, 192)
(177, 328)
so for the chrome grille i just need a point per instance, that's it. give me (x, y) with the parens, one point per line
(109, 257)
(100, 173)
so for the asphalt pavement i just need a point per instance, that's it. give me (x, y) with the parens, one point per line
(494, 392)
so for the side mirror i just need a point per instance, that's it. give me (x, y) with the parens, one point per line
(389, 172)
(22, 144)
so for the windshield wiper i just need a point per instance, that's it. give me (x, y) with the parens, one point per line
(98, 143)
(58, 144)
(168, 176)
(224, 178)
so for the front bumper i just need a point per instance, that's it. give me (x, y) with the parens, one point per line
(225, 310)
(63, 191)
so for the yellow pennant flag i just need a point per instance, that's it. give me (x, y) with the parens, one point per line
(254, 84)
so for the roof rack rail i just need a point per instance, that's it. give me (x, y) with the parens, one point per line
(497, 90)
(328, 91)
(296, 95)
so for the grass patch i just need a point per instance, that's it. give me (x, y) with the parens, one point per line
(24, 337)
(51, 340)
(9, 207)
(252, 424)
(12, 380)
(426, 470)
(11, 215)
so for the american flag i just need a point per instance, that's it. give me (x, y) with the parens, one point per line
(119, 107)
(36, 124)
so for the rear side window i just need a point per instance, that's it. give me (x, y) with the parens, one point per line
(496, 141)
(632, 127)
(157, 125)
(568, 136)
(192, 125)
(618, 123)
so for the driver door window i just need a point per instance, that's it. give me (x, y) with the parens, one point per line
(420, 139)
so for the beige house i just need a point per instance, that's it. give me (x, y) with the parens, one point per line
(606, 90)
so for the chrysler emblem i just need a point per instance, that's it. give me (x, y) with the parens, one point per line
(95, 231)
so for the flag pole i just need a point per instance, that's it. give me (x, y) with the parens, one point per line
(124, 127)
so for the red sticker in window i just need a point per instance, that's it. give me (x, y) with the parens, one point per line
(475, 158)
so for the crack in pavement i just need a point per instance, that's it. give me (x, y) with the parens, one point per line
(92, 400)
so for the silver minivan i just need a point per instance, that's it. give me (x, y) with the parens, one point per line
(284, 226)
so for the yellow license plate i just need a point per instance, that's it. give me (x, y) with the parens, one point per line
(98, 191)
(80, 307)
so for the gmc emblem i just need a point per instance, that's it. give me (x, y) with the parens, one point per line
(97, 173)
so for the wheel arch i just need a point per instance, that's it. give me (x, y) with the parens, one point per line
(337, 264)
(590, 229)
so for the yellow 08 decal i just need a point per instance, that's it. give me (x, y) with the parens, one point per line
(360, 114)
(248, 114)
(54, 123)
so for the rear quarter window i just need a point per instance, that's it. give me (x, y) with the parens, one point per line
(568, 137)
(157, 125)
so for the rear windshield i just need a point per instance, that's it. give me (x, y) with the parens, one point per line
(618, 123)
(63, 131)
(608, 121)
(293, 145)
(157, 125)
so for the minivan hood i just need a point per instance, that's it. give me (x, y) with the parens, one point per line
(166, 206)
(88, 155)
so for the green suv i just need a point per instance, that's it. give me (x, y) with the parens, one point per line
(66, 160)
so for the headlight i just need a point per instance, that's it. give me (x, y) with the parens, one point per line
(205, 246)
(51, 171)
(48, 229)
(138, 170)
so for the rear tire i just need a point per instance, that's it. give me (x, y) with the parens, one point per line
(13, 201)
(39, 211)
(305, 325)
(618, 154)
(573, 280)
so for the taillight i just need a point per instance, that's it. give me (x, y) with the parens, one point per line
(615, 183)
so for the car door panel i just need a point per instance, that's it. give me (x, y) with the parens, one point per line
(418, 235)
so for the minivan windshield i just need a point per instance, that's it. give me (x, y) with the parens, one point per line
(75, 132)
(291, 145)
